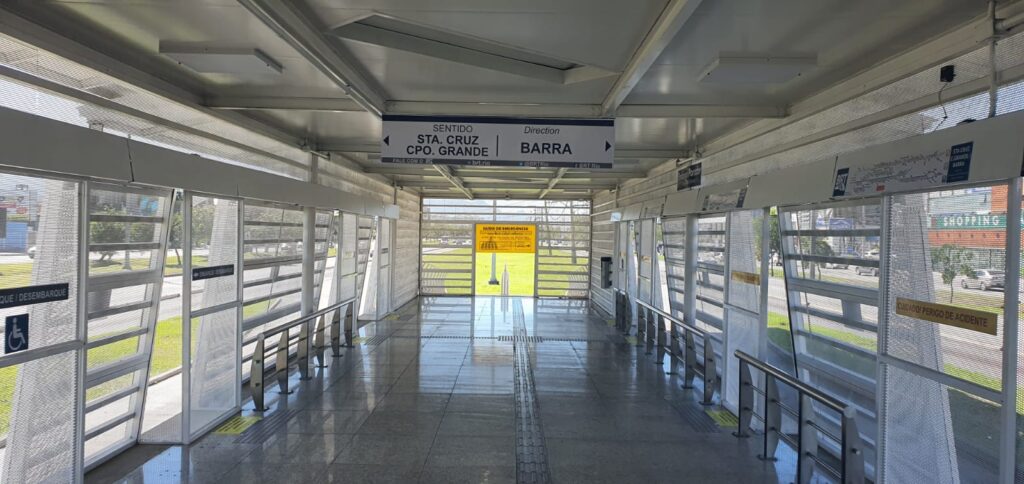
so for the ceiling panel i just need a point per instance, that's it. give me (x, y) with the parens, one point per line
(603, 33)
(846, 36)
(143, 25)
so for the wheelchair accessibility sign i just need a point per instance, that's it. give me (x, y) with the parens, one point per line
(16, 334)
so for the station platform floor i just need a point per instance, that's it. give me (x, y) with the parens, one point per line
(484, 389)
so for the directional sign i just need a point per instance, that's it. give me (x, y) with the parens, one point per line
(484, 141)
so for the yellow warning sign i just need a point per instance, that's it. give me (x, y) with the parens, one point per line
(506, 238)
(972, 319)
(747, 277)
(236, 425)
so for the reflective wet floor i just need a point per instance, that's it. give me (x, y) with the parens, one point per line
(472, 390)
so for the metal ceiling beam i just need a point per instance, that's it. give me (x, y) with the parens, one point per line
(531, 187)
(554, 181)
(534, 110)
(247, 103)
(700, 111)
(428, 170)
(665, 28)
(454, 180)
(620, 153)
(293, 25)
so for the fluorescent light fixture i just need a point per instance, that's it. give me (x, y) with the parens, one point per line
(206, 59)
(757, 68)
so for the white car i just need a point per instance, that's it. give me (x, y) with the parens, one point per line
(32, 252)
(984, 279)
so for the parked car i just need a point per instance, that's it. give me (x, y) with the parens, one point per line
(866, 271)
(32, 252)
(872, 254)
(984, 279)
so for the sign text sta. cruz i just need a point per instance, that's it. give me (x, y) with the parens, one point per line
(506, 238)
(488, 141)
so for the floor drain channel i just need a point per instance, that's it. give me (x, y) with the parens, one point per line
(531, 452)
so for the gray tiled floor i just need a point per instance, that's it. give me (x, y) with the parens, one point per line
(431, 404)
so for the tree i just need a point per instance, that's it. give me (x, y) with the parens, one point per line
(953, 261)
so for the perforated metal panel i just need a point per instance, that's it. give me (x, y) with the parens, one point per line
(39, 399)
(943, 249)
(744, 330)
(213, 321)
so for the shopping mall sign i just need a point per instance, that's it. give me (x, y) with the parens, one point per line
(970, 221)
(489, 141)
(506, 238)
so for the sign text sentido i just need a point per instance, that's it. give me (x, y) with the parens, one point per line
(487, 141)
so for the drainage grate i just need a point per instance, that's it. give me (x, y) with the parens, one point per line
(531, 451)
(521, 338)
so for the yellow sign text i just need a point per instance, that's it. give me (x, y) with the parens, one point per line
(506, 238)
(974, 320)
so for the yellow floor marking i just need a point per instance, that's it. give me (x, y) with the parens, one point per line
(236, 425)
(723, 418)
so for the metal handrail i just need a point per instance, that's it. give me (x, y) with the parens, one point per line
(655, 336)
(258, 375)
(808, 431)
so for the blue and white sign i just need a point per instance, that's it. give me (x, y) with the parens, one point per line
(16, 333)
(486, 141)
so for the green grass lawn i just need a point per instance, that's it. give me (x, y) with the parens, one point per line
(520, 270)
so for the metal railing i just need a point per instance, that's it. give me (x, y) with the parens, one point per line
(851, 455)
(680, 342)
(282, 353)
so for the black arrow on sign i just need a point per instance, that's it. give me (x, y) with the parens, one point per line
(607, 145)
(387, 141)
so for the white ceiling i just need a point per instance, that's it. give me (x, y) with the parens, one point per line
(845, 36)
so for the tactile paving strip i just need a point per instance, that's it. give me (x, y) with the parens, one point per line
(266, 428)
(531, 452)
(701, 422)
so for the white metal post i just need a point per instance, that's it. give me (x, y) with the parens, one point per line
(882, 340)
(186, 320)
(689, 282)
(83, 330)
(240, 297)
(762, 323)
(1011, 293)
(308, 268)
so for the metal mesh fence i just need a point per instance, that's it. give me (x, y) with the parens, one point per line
(38, 398)
(933, 239)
